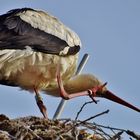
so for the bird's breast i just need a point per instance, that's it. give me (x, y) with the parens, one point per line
(37, 70)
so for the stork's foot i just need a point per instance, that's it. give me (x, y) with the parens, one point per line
(93, 91)
(92, 95)
(40, 104)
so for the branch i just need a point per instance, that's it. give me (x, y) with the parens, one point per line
(105, 112)
(78, 113)
(133, 134)
(117, 136)
(108, 127)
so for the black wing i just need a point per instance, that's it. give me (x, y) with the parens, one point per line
(15, 33)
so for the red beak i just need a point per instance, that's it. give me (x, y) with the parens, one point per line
(109, 95)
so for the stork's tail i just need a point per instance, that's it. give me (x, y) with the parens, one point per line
(109, 95)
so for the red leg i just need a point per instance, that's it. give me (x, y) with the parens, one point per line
(66, 96)
(40, 104)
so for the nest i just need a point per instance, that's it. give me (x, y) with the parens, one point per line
(35, 128)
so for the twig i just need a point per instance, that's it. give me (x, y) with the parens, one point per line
(105, 112)
(111, 128)
(117, 136)
(103, 134)
(133, 134)
(7, 134)
(78, 113)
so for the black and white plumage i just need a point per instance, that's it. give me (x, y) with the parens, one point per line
(31, 43)
(35, 48)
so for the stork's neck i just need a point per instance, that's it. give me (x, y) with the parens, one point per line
(81, 82)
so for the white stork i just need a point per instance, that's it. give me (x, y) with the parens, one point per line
(39, 53)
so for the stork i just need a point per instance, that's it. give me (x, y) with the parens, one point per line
(39, 53)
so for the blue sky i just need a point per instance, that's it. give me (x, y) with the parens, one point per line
(110, 33)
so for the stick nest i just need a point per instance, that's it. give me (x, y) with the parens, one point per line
(35, 128)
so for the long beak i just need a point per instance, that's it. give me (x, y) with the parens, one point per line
(109, 95)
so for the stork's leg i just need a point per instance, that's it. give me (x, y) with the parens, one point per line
(40, 104)
(91, 92)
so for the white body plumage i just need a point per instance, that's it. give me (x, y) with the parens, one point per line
(27, 68)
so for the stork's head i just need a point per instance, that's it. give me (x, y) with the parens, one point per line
(96, 87)
(101, 91)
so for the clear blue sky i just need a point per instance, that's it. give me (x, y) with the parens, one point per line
(110, 33)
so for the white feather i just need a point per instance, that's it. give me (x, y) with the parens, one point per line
(5, 55)
(28, 68)
(51, 25)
